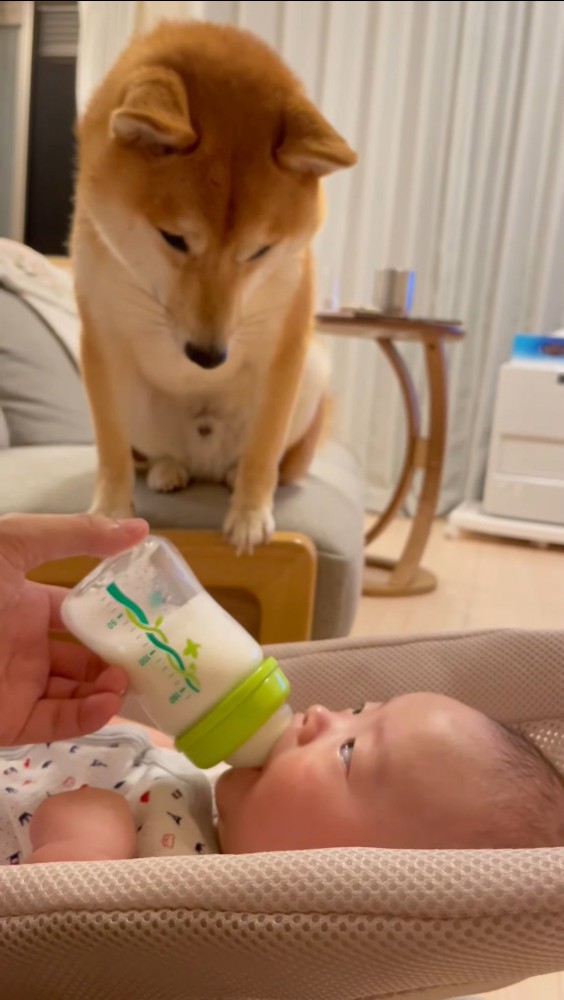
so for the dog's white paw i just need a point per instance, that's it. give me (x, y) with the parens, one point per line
(117, 510)
(245, 527)
(166, 475)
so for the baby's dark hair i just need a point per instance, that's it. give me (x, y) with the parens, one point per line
(530, 812)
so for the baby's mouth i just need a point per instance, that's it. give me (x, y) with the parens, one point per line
(289, 739)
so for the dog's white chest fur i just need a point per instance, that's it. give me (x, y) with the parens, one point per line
(206, 432)
(174, 409)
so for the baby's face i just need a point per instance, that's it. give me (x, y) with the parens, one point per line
(412, 772)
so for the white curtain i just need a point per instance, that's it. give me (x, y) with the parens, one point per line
(106, 26)
(457, 111)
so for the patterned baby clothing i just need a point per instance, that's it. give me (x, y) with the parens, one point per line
(171, 802)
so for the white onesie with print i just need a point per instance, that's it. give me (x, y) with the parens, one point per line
(171, 802)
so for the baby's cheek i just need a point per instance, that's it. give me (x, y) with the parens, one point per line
(232, 788)
(285, 809)
(253, 808)
(232, 796)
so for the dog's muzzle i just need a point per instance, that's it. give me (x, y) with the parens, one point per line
(205, 359)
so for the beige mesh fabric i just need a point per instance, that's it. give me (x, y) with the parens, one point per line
(318, 925)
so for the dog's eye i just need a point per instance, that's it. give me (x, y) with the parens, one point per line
(260, 253)
(174, 241)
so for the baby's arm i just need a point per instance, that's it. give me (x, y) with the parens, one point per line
(91, 824)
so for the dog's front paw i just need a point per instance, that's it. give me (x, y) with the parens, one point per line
(116, 509)
(246, 527)
(166, 475)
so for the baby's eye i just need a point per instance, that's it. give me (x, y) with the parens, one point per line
(357, 711)
(346, 753)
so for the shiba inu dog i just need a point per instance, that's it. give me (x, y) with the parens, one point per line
(197, 198)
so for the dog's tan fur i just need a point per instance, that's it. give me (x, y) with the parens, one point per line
(201, 132)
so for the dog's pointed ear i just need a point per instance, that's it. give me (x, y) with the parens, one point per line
(310, 145)
(154, 113)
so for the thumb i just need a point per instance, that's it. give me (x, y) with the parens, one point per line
(28, 540)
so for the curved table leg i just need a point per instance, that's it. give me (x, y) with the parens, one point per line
(413, 431)
(384, 577)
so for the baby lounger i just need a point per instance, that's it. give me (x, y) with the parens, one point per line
(349, 924)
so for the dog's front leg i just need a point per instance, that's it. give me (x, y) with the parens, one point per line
(249, 520)
(114, 484)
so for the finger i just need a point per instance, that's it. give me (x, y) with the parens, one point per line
(55, 596)
(55, 719)
(72, 662)
(113, 679)
(69, 659)
(28, 540)
(62, 687)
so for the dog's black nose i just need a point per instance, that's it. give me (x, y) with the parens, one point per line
(205, 359)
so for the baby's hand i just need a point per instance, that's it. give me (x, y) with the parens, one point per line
(91, 824)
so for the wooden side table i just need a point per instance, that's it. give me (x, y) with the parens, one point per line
(405, 576)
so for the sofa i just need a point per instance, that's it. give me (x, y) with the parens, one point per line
(48, 459)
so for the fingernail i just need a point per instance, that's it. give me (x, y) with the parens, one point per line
(128, 523)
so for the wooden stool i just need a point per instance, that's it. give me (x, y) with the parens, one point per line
(404, 576)
(271, 592)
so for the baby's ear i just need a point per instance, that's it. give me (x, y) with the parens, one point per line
(154, 112)
(310, 144)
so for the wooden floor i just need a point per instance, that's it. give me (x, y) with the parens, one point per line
(482, 583)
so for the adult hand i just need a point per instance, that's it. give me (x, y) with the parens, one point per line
(51, 689)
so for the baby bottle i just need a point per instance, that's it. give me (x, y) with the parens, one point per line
(199, 675)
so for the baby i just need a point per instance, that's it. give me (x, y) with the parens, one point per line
(418, 771)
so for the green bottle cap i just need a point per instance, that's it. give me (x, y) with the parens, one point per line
(236, 717)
